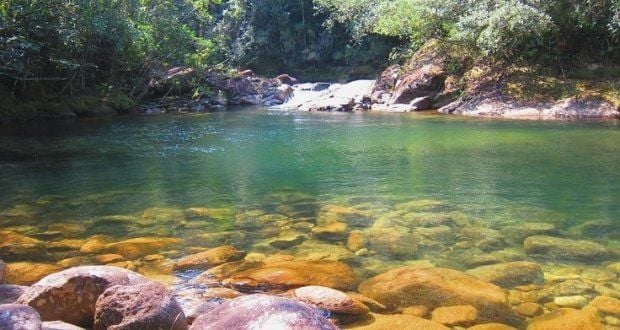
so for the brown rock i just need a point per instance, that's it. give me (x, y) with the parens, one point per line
(425, 81)
(10, 293)
(210, 258)
(108, 258)
(568, 319)
(607, 305)
(2, 267)
(462, 315)
(395, 321)
(510, 274)
(417, 310)
(529, 309)
(220, 293)
(70, 295)
(262, 312)
(566, 249)
(26, 273)
(329, 299)
(146, 305)
(392, 242)
(218, 273)
(334, 231)
(95, 244)
(356, 240)
(16, 246)
(293, 274)
(286, 79)
(74, 262)
(438, 287)
(491, 326)
(19, 317)
(139, 247)
(372, 304)
(66, 245)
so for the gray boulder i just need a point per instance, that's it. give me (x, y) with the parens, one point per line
(19, 317)
(262, 312)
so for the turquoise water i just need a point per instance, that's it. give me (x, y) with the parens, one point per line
(269, 176)
(499, 170)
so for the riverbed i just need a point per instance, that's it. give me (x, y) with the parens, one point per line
(445, 191)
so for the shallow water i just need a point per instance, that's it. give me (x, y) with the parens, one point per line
(494, 173)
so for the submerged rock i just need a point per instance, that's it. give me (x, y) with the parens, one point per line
(10, 293)
(142, 306)
(510, 274)
(210, 258)
(293, 274)
(26, 273)
(334, 231)
(71, 295)
(330, 300)
(395, 321)
(2, 267)
(262, 312)
(438, 287)
(141, 246)
(568, 319)
(392, 242)
(566, 249)
(16, 246)
(19, 317)
(463, 315)
(607, 305)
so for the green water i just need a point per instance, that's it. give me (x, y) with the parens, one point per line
(496, 172)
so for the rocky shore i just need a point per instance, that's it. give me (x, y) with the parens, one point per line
(417, 264)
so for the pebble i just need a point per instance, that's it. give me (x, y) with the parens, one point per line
(571, 301)
(529, 309)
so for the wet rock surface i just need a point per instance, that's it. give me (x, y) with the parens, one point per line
(146, 305)
(294, 274)
(70, 295)
(329, 299)
(438, 287)
(210, 258)
(262, 312)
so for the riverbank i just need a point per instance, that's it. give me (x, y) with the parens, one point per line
(438, 77)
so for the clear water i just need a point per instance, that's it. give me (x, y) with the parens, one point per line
(497, 172)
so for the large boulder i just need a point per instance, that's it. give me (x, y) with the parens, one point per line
(425, 81)
(437, 287)
(347, 97)
(565, 249)
(210, 258)
(19, 317)
(70, 295)
(10, 293)
(59, 325)
(293, 274)
(510, 274)
(262, 312)
(147, 305)
(568, 319)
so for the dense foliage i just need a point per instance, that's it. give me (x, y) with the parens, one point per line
(68, 46)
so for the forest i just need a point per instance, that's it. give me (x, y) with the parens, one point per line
(52, 48)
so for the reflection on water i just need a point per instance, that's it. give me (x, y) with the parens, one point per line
(375, 191)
